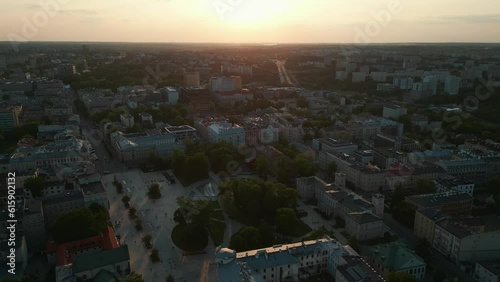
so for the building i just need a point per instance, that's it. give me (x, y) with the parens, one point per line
(66, 70)
(451, 203)
(452, 85)
(393, 111)
(182, 132)
(146, 118)
(115, 261)
(364, 225)
(279, 263)
(54, 131)
(198, 100)
(62, 153)
(225, 84)
(59, 109)
(311, 188)
(236, 69)
(461, 241)
(231, 97)
(94, 193)
(226, 132)
(21, 257)
(391, 257)
(192, 79)
(334, 145)
(450, 183)
(425, 223)
(9, 118)
(474, 169)
(49, 88)
(356, 269)
(34, 222)
(171, 95)
(57, 205)
(127, 120)
(137, 147)
(487, 271)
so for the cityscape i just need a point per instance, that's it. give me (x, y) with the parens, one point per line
(249, 141)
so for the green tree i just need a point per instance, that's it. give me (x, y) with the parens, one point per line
(354, 243)
(132, 212)
(261, 167)
(494, 187)
(147, 239)
(332, 169)
(78, 224)
(133, 277)
(138, 225)
(155, 256)
(247, 238)
(154, 191)
(170, 278)
(126, 199)
(304, 165)
(423, 249)
(400, 277)
(425, 186)
(438, 275)
(398, 196)
(35, 185)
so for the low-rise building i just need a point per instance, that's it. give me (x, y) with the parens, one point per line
(127, 120)
(391, 257)
(451, 203)
(226, 132)
(450, 183)
(55, 206)
(137, 147)
(364, 225)
(487, 271)
(279, 263)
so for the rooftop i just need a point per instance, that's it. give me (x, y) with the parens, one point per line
(439, 199)
(395, 257)
(363, 217)
(357, 270)
(90, 261)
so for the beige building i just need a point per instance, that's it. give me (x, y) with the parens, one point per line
(364, 225)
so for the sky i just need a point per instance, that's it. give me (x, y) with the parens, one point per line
(251, 21)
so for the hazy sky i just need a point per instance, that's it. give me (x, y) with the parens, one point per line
(336, 21)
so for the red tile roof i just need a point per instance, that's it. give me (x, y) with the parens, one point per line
(66, 252)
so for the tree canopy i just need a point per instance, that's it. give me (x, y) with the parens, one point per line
(80, 224)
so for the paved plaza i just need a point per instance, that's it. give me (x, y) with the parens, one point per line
(157, 217)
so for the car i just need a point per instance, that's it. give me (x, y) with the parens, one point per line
(106, 172)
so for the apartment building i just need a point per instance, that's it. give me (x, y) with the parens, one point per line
(278, 263)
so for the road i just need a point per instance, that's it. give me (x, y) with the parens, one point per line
(284, 75)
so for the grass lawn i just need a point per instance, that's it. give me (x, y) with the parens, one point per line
(190, 238)
(216, 230)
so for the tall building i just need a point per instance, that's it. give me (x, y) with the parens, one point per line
(192, 79)
(225, 84)
(9, 118)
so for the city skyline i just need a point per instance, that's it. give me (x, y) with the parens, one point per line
(256, 21)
